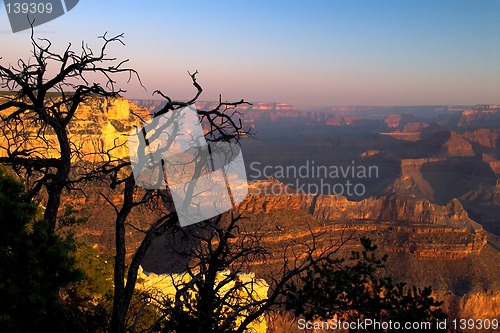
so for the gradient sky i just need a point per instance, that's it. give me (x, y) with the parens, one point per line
(301, 52)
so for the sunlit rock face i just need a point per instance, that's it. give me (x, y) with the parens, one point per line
(480, 304)
(98, 132)
(456, 145)
(454, 235)
(485, 137)
(392, 120)
(427, 243)
(333, 207)
(479, 115)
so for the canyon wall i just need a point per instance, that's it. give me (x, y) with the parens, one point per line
(486, 137)
(331, 207)
(480, 115)
(437, 231)
(427, 243)
(100, 126)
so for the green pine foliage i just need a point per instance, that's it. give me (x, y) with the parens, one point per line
(91, 298)
(35, 266)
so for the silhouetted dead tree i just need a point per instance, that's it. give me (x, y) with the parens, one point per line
(214, 292)
(48, 103)
(46, 92)
(225, 125)
(44, 95)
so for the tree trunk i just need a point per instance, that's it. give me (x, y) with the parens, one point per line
(53, 204)
(57, 184)
(120, 305)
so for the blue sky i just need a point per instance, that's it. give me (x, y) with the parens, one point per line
(302, 52)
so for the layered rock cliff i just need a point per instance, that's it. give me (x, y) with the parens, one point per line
(100, 126)
(485, 137)
(394, 209)
(427, 243)
(436, 231)
(480, 116)
(456, 145)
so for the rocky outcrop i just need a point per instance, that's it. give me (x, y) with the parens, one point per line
(411, 182)
(404, 127)
(492, 162)
(480, 116)
(153, 105)
(370, 153)
(495, 167)
(457, 146)
(340, 121)
(436, 245)
(406, 136)
(100, 126)
(392, 120)
(414, 126)
(458, 235)
(486, 137)
(471, 305)
(400, 225)
(394, 209)
(271, 195)
(403, 122)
